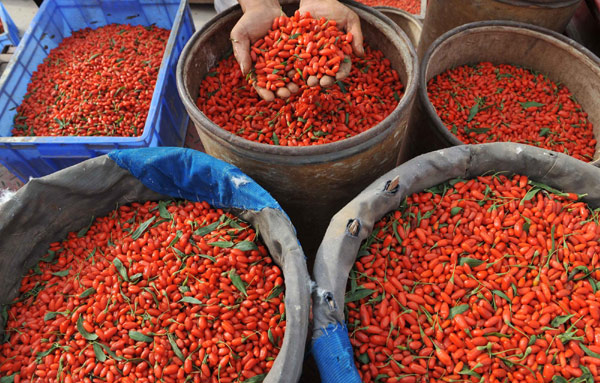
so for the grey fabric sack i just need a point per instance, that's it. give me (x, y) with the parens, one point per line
(47, 208)
(340, 246)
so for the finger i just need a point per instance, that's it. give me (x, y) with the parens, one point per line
(345, 68)
(326, 81)
(241, 49)
(283, 92)
(353, 26)
(312, 81)
(293, 87)
(265, 94)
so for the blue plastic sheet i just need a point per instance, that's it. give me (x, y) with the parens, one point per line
(334, 355)
(167, 120)
(10, 36)
(195, 176)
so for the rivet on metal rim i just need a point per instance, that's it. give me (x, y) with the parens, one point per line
(392, 186)
(330, 301)
(353, 227)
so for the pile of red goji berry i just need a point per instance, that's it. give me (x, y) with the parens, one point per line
(298, 47)
(313, 116)
(493, 279)
(160, 291)
(487, 103)
(411, 6)
(95, 83)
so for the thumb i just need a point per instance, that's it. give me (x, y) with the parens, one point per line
(241, 49)
(345, 68)
(353, 26)
(263, 93)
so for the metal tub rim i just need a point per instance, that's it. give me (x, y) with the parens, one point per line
(303, 154)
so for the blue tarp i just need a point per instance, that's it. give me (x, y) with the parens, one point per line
(195, 176)
(334, 356)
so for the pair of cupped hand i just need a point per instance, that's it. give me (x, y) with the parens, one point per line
(257, 21)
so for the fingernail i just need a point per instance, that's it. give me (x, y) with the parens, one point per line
(283, 92)
(293, 88)
(326, 81)
(312, 81)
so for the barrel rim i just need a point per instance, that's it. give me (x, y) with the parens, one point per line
(337, 150)
(540, 32)
(541, 3)
(412, 17)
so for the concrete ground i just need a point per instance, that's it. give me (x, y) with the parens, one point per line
(23, 11)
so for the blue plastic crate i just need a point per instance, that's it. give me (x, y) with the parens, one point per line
(10, 36)
(167, 120)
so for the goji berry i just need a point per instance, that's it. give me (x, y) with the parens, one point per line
(314, 115)
(97, 82)
(411, 6)
(487, 103)
(530, 314)
(295, 43)
(152, 291)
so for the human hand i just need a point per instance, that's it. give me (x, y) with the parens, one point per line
(254, 24)
(257, 21)
(347, 20)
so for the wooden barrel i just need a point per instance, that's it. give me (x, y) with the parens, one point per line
(408, 22)
(310, 182)
(444, 15)
(560, 58)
